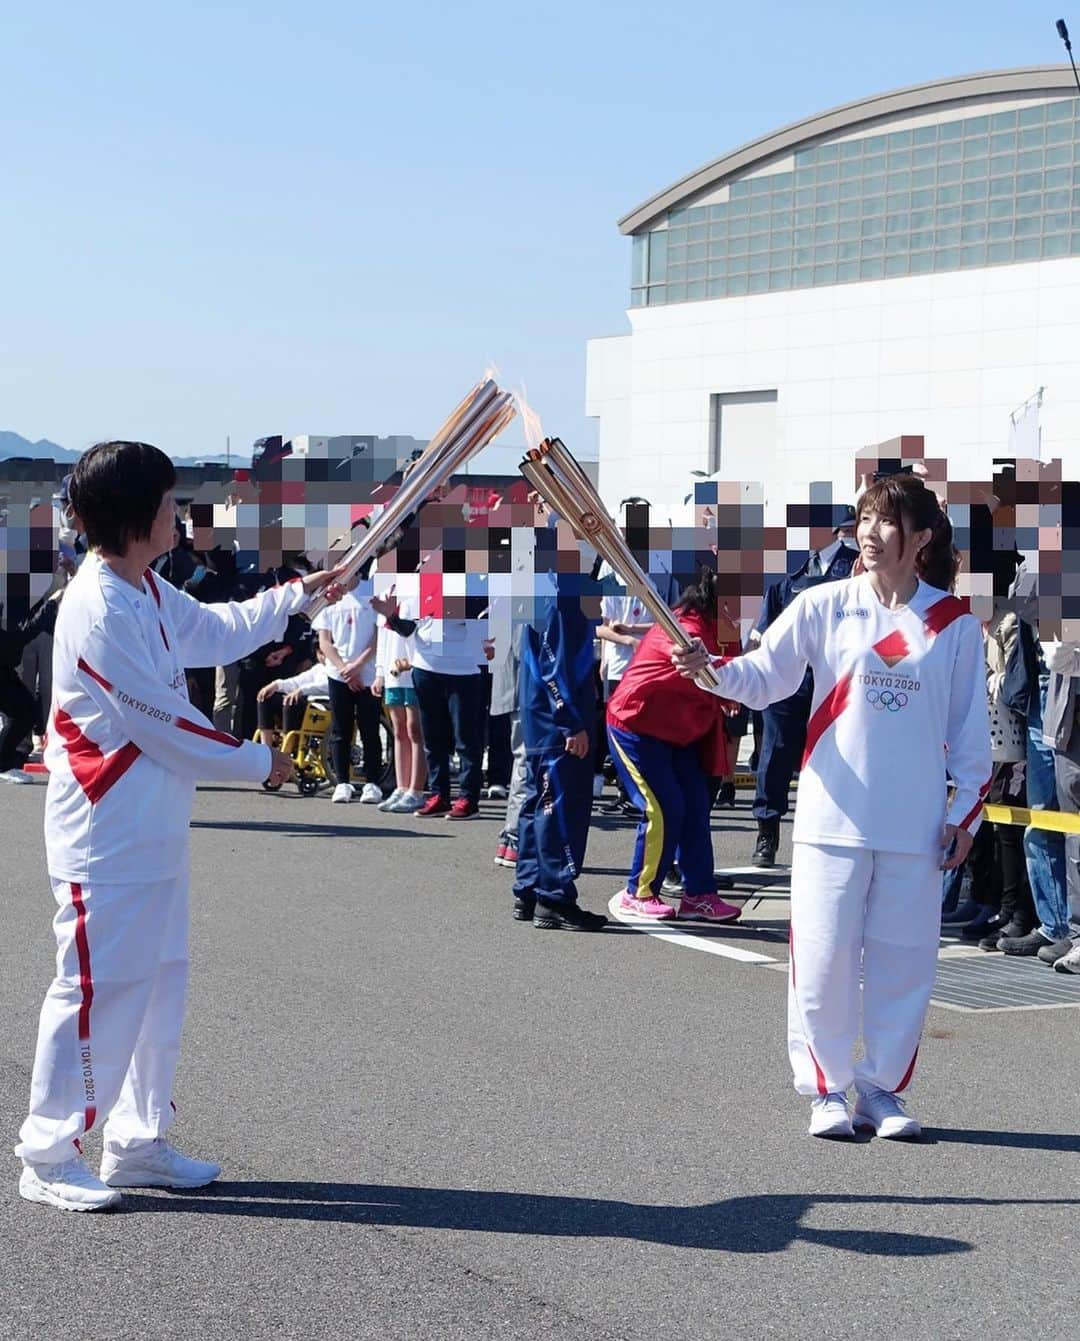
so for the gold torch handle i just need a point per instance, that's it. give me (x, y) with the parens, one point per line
(570, 493)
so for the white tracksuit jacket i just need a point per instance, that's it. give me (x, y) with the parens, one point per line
(125, 745)
(899, 696)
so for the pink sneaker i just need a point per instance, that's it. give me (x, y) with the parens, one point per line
(652, 910)
(707, 908)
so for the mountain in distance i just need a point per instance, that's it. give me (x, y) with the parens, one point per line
(14, 444)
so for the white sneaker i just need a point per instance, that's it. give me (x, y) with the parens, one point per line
(156, 1164)
(408, 803)
(497, 792)
(829, 1117)
(17, 776)
(342, 794)
(883, 1113)
(69, 1186)
(392, 799)
(597, 786)
(371, 795)
(1069, 963)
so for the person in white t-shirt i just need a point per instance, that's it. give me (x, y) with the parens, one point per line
(624, 621)
(125, 747)
(347, 638)
(899, 701)
(394, 653)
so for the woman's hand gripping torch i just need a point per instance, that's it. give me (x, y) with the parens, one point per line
(563, 485)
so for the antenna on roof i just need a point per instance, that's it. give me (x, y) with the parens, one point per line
(1063, 33)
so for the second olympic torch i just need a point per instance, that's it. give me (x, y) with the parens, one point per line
(560, 481)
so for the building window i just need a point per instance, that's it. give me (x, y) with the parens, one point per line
(988, 189)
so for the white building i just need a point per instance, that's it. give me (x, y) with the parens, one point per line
(906, 264)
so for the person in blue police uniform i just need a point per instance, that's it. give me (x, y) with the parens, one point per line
(557, 703)
(783, 737)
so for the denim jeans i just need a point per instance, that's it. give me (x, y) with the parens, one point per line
(451, 713)
(951, 884)
(1044, 851)
(1067, 768)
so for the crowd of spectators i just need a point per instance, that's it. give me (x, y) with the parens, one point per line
(451, 711)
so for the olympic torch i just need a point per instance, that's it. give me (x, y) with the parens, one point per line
(560, 481)
(480, 418)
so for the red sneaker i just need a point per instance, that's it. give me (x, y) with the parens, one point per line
(434, 805)
(463, 808)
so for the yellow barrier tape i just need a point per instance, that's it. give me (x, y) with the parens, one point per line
(1056, 820)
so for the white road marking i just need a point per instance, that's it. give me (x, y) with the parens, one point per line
(686, 938)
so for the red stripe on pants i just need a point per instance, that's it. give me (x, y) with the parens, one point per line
(908, 1073)
(86, 981)
(819, 1074)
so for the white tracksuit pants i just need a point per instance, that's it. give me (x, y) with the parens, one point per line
(856, 909)
(109, 1035)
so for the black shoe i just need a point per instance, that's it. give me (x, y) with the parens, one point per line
(1050, 954)
(524, 907)
(967, 911)
(992, 941)
(725, 797)
(1030, 944)
(982, 926)
(567, 917)
(673, 883)
(767, 843)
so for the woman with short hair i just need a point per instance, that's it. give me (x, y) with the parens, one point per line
(125, 749)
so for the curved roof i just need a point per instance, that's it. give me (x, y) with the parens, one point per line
(937, 95)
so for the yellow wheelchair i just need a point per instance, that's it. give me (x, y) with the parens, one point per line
(309, 749)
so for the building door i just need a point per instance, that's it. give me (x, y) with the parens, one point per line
(742, 439)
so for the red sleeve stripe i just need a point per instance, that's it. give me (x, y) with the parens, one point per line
(977, 807)
(196, 730)
(94, 675)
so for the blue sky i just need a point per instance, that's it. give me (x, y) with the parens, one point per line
(330, 217)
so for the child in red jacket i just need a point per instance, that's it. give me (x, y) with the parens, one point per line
(667, 739)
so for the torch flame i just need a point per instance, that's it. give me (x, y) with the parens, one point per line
(530, 421)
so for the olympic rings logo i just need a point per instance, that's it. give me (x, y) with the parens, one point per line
(884, 700)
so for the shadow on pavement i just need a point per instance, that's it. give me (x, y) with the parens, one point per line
(762, 1224)
(1012, 1140)
(359, 830)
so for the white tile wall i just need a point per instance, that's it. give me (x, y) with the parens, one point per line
(945, 355)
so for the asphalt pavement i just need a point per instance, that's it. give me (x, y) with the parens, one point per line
(436, 1122)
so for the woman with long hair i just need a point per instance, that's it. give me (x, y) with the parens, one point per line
(667, 739)
(899, 705)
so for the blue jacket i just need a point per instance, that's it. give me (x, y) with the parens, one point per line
(556, 687)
